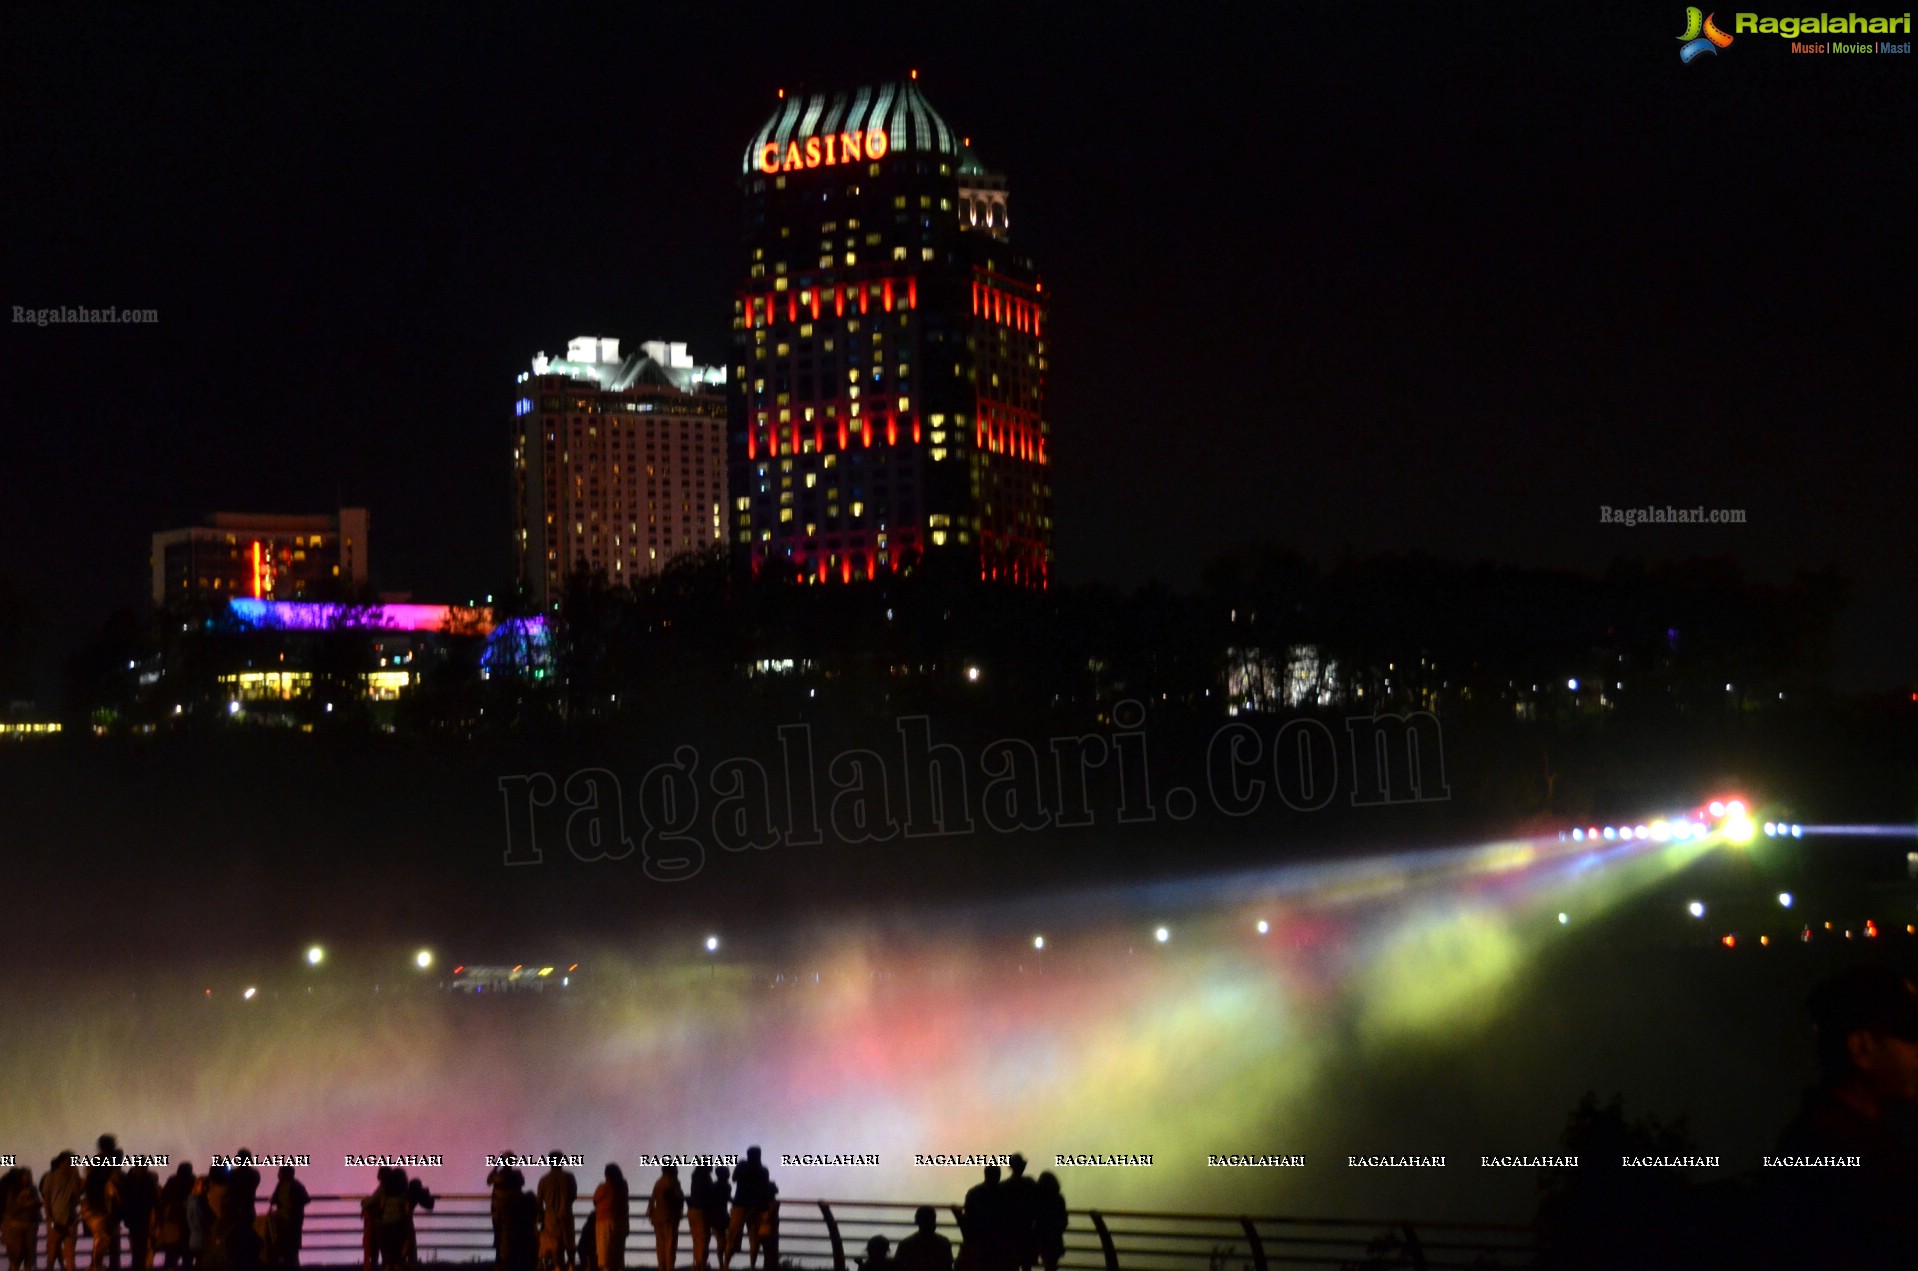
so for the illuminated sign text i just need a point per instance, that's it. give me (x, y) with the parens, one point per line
(824, 152)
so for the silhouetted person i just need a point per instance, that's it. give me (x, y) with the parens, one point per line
(395, 1214)
(370, 1225)
(612, 1218)
(664, 1210)
(170, 1231)
(199, 1217)
(139, 1197)
(699, 1191)
(589, 1242)
(1022, 1207)
(878, 1255)
(557, 1192)
(99, 1205)
(60, 1191)
(1049, 1221)
(766, 1230)
(519, 1226)
(286, 1220)
(925, 1249)
(500, 1185)
(1867, 1041)
(418, 1197)
(719, 1206)
(19, 1218)
(244, 1245)
(985, 1223)
(750, 1198)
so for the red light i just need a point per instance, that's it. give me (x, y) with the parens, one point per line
(815, 302)
(886, 294)
(459, 968)
(792, 307)
(912, 293)
(1730, 942)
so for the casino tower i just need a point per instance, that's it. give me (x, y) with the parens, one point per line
(887, 412)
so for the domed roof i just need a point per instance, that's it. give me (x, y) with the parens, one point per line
(898, 109)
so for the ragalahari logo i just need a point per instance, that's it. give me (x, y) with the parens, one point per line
(1712, 39)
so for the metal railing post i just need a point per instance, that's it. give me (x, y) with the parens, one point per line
(1258, 1246)
(832, 1230)
(1105, 1240)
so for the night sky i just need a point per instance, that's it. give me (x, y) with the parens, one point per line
(1377, 278)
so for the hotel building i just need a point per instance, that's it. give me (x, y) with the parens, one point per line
(619, 463)
(887, 411)
(239, 556)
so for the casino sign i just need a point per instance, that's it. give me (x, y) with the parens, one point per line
(827, 151)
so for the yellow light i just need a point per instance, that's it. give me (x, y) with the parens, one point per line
(1738, 829)
(423, 959)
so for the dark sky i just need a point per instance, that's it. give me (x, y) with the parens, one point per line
(1404, 277)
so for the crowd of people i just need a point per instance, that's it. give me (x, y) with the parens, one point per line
(215, 1221)
(723, 1209)
(212, 1221)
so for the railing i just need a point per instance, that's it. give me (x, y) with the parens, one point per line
(833, 1233)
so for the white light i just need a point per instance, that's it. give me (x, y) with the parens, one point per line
(315, 956)
(972, 675)
(712, 944)
(1038, 942)
(1682, 831)
(1661, 831)
(1642, 832)
(423, 959)
(1784, 899)
(1735, 808)
(1798, 831)
(1696, 909)
(1162, 935)
(248, 995)
(1717, 808)
(1563, 919)
(1264, 926)
(1578, 836)
(1771, 829)
(1610, 833)
(233, 708)
(1572, 684)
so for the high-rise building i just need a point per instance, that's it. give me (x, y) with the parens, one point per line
(888, 399)
(235, 555)
(619, 463)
